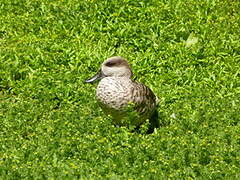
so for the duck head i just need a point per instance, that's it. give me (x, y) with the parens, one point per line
(113, 67)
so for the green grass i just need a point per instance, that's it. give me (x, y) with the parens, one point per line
(187, 52)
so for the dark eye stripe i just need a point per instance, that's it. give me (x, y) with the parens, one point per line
(110, 64)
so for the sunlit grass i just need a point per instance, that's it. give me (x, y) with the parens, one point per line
(187, 52)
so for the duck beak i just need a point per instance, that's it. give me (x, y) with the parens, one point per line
(96, 77)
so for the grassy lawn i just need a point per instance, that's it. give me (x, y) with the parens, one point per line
(186, 51)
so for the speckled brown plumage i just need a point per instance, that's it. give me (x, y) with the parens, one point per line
(117, 90)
